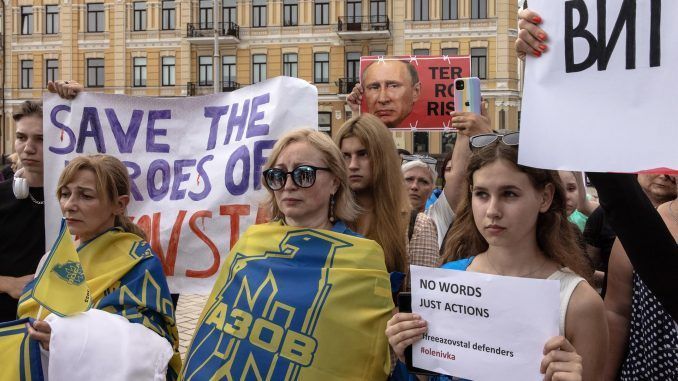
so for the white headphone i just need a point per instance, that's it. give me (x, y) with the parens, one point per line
(20, 185)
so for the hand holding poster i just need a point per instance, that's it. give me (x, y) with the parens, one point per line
(605, 90)
(481, 326)
(195, 163)
(411, 92)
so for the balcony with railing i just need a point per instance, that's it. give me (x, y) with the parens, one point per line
(203, 32)
(345, 85)
(207, 87)
(364, 27)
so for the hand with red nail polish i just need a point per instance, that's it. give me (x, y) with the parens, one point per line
(531, 38)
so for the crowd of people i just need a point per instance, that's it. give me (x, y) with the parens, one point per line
(613, 252)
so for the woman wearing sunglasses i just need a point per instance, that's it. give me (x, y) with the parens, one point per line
(513, 223)
(324, 315)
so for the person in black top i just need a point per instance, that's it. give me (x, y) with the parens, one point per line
(648, 243)
(599, 237)
(22, 221)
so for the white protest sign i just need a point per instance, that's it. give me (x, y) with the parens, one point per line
(481, 326)
(603, 96)
(195, 163)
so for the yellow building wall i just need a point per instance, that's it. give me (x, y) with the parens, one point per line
(119, 44)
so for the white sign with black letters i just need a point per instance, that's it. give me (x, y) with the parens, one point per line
(481, 326)
(603, 96)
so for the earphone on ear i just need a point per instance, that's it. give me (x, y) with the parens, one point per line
(20, 188)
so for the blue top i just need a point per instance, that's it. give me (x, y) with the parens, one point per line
(461, 264)
(400, 372)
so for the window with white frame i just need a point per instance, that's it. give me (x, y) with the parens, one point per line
(169, 14)
(322, 12)
(258, 68)
(290, 12)
(321, 68)
(95, 17)
(51, 70)
(95, 72)
(139, 75)
(450, 52)
(478, 9)
(259, 13)
(420, 11)
(26, 19)
(228, 71)
(205, 75)
(26, 74)
(168, 70)
(450, 10)
(51, 19)
(479, 62)
(140, 15)
(206, 14)
(290, 62)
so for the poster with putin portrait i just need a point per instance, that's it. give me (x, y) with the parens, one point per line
(411, 92)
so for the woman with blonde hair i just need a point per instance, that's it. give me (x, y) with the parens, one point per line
(293, 294)
(376, 180)
(125, 279)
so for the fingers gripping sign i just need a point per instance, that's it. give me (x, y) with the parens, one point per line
(561, 361)
(403, 330)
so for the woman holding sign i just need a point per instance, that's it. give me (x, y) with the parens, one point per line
(125, 280)
(513, 223)
(301, 297)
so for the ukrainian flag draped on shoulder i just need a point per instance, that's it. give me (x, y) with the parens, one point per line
(19, 356)
(60, 286)
(295, 304)
(124, 278)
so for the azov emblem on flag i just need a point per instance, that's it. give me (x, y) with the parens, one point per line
(70, 271)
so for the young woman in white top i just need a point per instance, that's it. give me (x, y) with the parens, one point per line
(513, 222)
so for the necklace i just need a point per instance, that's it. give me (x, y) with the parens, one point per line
(37, 202)
(526, 275)
(675, 218)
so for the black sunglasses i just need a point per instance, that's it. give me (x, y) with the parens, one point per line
(303, 176)
(480, 141)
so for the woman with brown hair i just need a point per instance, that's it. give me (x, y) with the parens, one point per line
(124, 277)
(513, 223)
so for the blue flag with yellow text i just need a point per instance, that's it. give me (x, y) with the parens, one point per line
(60, 287)
(295, 304)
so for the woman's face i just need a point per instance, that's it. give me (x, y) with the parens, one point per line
(571, 191)
(305, 207)
(358, 163)
(506, 205)
(87, 213)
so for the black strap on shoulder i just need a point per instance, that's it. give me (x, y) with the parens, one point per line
(413, 220)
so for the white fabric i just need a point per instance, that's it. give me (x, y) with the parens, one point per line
(97, 345)
(442, 215)
(568, 282)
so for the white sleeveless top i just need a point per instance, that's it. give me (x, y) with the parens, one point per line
(568, 282)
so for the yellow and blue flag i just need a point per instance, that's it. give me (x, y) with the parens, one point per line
(295, 304)
(60, 287)
(20, 355)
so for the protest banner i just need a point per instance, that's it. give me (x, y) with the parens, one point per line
(427, 107)
(602, 97)
(195, 163)
(482, 326)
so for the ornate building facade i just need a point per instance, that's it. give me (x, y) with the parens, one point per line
(173, 48)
